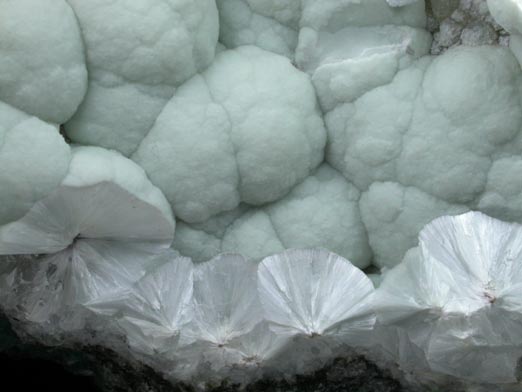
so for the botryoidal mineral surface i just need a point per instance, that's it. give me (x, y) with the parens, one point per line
(190, 192)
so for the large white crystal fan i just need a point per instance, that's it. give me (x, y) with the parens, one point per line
(152, 312)
(460, 298)
(94, 235)
(225, 308)
(314, 292)
(320, 300)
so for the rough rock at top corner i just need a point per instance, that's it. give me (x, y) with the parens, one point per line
(462, 22)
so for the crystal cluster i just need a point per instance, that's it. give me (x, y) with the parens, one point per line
(141, 139)
(451, 309)
(227, 318)
(270, 125)
(458, 298)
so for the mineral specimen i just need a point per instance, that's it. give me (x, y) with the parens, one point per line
(175, 176)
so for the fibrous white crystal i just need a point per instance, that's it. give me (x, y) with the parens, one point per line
(259, 350)
(311, 124)
(314, 292)
(153, 310)
(320, 300)
(458, 297)
(225, 300)
(94, 235)
(226, 334)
